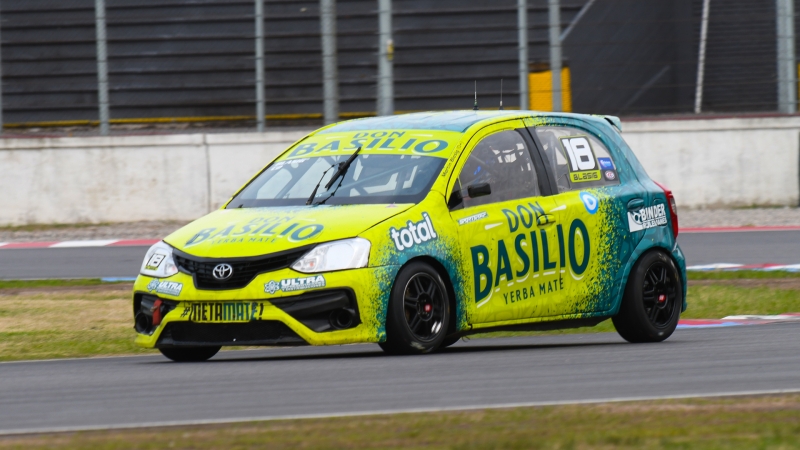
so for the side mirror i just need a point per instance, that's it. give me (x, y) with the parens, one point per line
(479, 190)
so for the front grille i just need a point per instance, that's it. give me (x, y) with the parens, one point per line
(244, 269)
(257, 332)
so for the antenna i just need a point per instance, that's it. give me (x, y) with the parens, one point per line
(501, 94)
(475, 107)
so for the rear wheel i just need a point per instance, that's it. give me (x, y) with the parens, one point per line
(192, 354)
(419, 311)
(652, 302)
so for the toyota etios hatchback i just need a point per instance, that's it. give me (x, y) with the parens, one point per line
(411, 231)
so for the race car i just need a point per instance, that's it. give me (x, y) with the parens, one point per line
(414, 230)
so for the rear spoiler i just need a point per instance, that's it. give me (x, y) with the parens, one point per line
(614, 120)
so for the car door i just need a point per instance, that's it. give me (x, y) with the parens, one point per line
(595, 191)
(507, 231)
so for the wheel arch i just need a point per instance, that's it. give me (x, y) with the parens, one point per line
(448, 283)
(640, 252)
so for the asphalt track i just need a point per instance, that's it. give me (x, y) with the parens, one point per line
(357, 379)
(753, 247)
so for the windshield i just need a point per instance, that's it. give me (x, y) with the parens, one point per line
(370, 179)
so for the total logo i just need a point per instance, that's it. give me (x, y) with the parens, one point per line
(413, 233)
(295, 284)
(650, 217)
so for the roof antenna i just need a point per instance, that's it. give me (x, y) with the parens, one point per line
(501, 94)
(475, 107)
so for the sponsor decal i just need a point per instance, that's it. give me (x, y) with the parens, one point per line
(165, 287)
(590, 202)
(473, 218)
(544, 253)
(258, 230)
(606, 163)
(413, 233)
(610, 175)
(650, 217)
(222, 311)
(295, 284)
(399, 141)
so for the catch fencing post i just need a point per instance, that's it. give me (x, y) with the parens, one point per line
(385, 57)
(701, 59)
(102, 64)
(554, 9)
(330, 77)
(260, 102)
(787, 62)
(522, 37)
(1, 80)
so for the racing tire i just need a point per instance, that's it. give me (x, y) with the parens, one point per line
(448, 341)
(419, 311)
(652, 302)
(191, 354)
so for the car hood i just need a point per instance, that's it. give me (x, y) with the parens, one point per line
(230, 233)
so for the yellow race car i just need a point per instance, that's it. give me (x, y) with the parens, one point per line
(412, 231)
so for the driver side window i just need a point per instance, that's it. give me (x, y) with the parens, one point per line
(502, 160)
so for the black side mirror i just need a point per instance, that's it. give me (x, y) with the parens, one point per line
(479, 190)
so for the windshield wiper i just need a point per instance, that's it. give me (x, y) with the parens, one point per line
(339, 174)
(314, 192)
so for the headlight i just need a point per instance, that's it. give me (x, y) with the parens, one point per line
(337, 255)
(158, 262)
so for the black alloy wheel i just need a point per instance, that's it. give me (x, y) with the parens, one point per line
(651, 305)
(658, 295)
(419, 311)
(190, 354)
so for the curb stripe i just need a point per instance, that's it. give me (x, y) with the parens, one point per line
(75, 244)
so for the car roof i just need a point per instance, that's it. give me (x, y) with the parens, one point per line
(457, 121)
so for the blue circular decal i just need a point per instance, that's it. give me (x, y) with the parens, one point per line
(590, 202)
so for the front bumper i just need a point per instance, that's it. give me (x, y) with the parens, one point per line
(276, 308)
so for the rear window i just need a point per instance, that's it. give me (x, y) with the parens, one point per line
(577, 159)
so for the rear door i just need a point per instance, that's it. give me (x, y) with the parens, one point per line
(595, 191)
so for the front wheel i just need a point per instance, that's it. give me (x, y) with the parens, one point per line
(191, 354)
(419, 311)
(652, 301)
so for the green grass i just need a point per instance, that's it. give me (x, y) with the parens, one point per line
(52, 226)
(765, 422)
(28, 284)
(739, 274)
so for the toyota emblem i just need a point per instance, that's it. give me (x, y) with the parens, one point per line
(222, 271)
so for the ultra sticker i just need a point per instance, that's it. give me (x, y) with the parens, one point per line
(295, 284)
(413, 233)
(473, 218)
(650, 217)
(165, 287)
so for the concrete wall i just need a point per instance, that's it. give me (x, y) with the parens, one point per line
(130, 178)
(707, 163)
(722, 162)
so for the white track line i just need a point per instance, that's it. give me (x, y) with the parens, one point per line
(176, 423)
(94, 243)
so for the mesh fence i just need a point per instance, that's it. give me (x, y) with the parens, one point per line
(183, 64)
